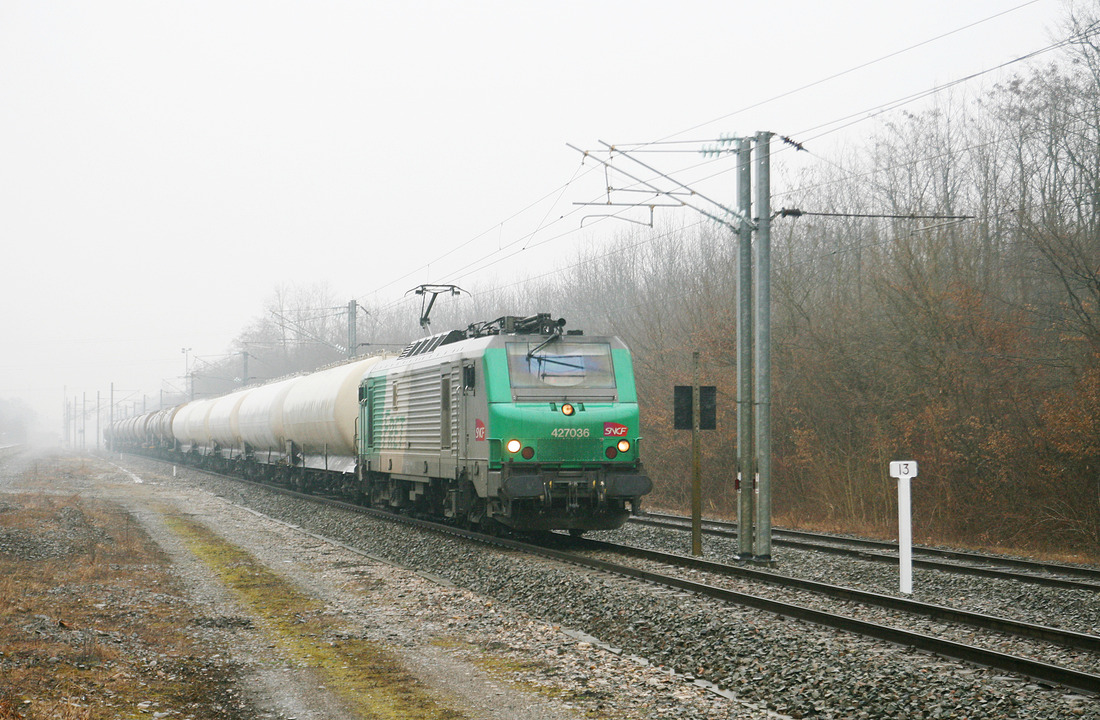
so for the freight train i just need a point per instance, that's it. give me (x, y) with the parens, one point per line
(512, 423)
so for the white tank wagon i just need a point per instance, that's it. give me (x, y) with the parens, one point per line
(133, 428)
(164, 428)
(159, 428)
(151, 426)
(223, 422)
(130, 431)
(260, 418)
(122, 430)
(190, 427)
(306, 421)
(137, 427)
(320, 413)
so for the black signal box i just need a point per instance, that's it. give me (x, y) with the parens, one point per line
(708, 407)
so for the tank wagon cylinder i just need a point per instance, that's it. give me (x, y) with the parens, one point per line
(162, 424)
(260, 416)
(135, 431)
(321, 410)
(223, 421)
(179, 423)
(189, 425)
(151, 426)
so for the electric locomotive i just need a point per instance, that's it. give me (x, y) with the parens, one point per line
(513, 421)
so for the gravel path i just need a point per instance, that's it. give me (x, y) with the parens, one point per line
(485, 657)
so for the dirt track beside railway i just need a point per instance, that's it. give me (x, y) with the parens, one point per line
(153, 598)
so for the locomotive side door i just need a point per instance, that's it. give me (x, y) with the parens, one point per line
(474, 445)
(466, 412)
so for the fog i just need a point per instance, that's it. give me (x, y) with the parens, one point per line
(165, 166)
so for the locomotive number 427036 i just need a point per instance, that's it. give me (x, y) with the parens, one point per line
(570, 432)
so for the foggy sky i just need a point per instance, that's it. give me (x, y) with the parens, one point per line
(164, 165)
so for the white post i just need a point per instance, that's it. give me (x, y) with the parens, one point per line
(905, 536)
(904, 471)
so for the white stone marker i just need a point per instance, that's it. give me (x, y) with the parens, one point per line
(903, 470)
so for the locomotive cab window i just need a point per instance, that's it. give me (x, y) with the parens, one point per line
(561, 364)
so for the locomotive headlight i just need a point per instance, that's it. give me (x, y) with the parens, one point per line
(568, 409)
(513, 446)
(624, 445)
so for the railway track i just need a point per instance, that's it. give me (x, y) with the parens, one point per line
(1056, 636)
(952, 561)
(8, 451)
(586, 554)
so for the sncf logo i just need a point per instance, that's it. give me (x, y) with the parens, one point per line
(614, 429)
(479, 430)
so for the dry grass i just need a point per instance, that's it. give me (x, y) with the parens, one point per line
(91, 620)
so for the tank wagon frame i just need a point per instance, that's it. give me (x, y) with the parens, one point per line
(512, 422)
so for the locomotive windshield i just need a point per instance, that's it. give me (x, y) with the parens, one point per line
(560, 364)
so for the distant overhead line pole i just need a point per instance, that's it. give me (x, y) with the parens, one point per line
(353, 340)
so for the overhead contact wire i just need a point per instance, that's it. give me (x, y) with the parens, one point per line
(871, 112)
(844, 72)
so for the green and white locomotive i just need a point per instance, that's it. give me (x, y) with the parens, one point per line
(514, 421)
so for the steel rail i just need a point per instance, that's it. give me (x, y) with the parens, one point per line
(871, 556)
(1041, 672)
(1058, 636)
(961, 555)
(10, 451)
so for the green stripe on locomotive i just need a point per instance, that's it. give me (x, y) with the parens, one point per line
(570, 442)
(372, 392)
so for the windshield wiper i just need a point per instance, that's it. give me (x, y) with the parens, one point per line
(540, 346)
(556, 361)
